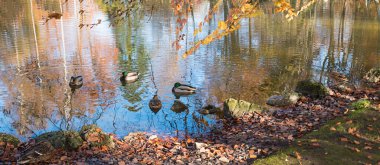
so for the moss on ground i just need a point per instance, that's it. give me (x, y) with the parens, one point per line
(6, 138)
(352, 139)
(311, 88)
(68, 140)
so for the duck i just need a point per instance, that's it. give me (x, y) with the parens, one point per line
(183, 89)
(76, 82)
(155, 104)
(178, 106)
(129, 77)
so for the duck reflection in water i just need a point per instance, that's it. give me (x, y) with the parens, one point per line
(76, 82)
(178, 106)
(155, 104)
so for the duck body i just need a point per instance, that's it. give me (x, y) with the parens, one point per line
(76, 82)
(155, 104)
(129, 77)
(183, 89)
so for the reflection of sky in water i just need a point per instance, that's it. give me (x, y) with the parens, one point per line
(267, 55)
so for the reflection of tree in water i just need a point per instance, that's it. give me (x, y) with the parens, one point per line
(132, 57)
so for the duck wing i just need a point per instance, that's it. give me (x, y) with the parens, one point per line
(186, 87)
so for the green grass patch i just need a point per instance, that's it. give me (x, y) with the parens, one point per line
(352, 139)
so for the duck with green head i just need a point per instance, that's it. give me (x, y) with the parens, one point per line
(129, 77)
(155, 104)
(183, 89)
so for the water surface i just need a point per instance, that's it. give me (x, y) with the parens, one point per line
(267, 55)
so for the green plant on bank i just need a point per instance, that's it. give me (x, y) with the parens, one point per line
(361, 104)
(352, 139)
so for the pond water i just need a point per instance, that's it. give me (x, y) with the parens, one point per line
(267, 55)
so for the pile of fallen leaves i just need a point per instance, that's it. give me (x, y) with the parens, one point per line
(240, 140)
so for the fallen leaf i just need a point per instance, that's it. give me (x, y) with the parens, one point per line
(252, 154)
(315, 144)
(63, 158)
(298, 156)
(332, 129)
(348, 121)
(344, 139)
(369, 157)
(351, 130)
(368, 148)
(355, 149)
(356, 142)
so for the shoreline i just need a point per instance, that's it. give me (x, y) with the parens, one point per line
(240, 140)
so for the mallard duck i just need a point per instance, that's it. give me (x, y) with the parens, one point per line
(178, 106)
(129, 77)
(76, 82)
(182, 89)
(155, 104)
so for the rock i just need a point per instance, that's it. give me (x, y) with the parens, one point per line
(373, 75)
(237, 108)
(224, 159)
(96, 137)
(153, 137)
(283, 100)
(68, 140)
(6, 138)
(311, 88)
(199, 145)
(209, 109)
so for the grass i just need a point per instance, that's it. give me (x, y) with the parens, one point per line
(352, 139)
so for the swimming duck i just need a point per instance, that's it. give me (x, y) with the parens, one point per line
(182, 89)
(76, 82)
(178, 106)
(129, 77)
(155, 104)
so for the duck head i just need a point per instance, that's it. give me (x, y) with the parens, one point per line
(177, 84)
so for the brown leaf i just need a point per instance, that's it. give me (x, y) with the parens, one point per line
(355, 149)
(351, 130)
(63, 158)
(348, 121)
(298, 156)
(356, 142)
(344, 139)
(252, 154)
(315, 144)
(332, 129)
(121, 163)
(369, 157)
(368, 148)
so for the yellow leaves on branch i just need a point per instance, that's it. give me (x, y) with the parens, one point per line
(284, 6)
(222, 25)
